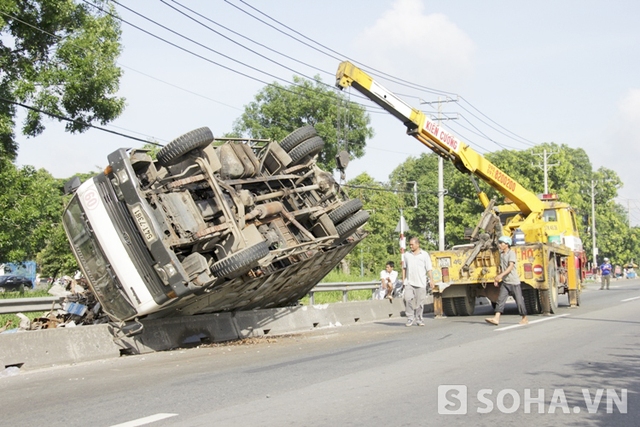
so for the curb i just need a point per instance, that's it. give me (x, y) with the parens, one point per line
(64, 346)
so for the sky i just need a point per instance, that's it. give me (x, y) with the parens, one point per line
(523, 73)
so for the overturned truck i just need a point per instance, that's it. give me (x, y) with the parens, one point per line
(211, 226)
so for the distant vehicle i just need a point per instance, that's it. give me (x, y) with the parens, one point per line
(14, 283)
(212, 225)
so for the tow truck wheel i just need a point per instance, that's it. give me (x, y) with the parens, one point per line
(171, 153)
(465, 306)
(310, 147)
(235, 264)
(296, 137)
(531, 300)
(549, 297)
(344, 210)
(448, 307)
(553, 287)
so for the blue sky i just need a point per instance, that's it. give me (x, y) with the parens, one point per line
(546, 71)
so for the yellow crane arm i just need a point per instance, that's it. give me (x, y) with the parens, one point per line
(438, 139)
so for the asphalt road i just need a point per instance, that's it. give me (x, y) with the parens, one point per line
(579, 367)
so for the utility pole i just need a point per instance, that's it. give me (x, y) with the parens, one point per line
(545, 167)
(441, 191)
(593, 222)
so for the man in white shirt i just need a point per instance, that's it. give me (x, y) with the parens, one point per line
(416, 267)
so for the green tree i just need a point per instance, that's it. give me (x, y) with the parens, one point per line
(56, 258)
(279, 110)
(59, 57)
(30, 208)
(383, 205)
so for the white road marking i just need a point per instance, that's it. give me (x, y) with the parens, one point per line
(629, 299)
(146, 420)
(531, 322)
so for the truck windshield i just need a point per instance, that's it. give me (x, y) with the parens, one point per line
(94, 264)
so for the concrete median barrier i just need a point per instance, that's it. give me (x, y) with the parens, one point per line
(51, 347)
(34, 349)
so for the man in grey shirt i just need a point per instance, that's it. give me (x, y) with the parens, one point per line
(416, 265)
(509, 282)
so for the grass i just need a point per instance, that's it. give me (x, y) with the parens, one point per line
(336, 296)
(11, 320)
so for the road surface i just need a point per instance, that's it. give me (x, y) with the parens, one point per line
(579, 367)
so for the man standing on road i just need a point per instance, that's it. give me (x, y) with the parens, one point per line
(509, 282)
(605, 272)
(416, 266)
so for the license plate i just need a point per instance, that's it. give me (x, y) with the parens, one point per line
(444, 262)
(143, 224)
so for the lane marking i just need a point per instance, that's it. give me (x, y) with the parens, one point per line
(146, 420)
(531, 322)
(629, 299)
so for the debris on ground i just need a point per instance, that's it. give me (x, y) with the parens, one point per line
(79, 307)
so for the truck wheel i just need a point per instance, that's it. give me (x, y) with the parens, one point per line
(553, 288)
(171, 153)
(240, 261)
(296, 137)
(448, 307)
(465, 306)
(531, 300)
(549, 297)
(349, 225)
(310, 147)
(344, 210)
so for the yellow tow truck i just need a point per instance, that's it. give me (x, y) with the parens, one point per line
(551, 258)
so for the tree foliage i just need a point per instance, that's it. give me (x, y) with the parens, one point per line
(60, 57)
(570, 175)
(279, 110)
(30, 209)
(383, 205)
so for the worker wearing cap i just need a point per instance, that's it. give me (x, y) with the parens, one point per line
(508, 281)
(605, 272)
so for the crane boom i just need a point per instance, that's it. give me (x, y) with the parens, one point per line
(438, 139)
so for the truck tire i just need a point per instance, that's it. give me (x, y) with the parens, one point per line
(292, 140)
(553, 287)
(171, 153)
(347, 227)
(240, 261)
(465, 306)
(531, 300)
(448, 307)
(549, 297)
(344, 210)
(310, 147)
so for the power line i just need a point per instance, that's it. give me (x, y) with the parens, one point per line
(67, 119)
(376, 72)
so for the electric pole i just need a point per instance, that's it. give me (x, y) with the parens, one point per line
(441, 191)
(545, 167)
(593, 222)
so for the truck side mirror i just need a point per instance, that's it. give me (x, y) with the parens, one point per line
(72, 185)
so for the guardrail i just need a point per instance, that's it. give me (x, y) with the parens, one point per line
(20, 305)
(345, 287)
